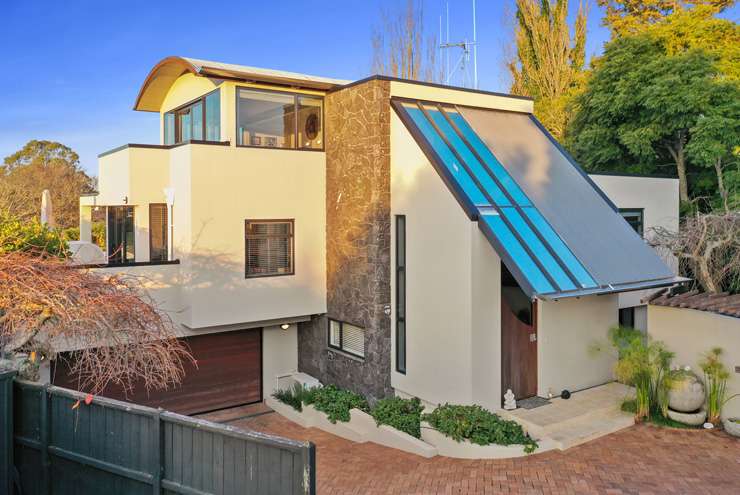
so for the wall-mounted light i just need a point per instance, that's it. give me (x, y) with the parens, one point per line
(285, 326)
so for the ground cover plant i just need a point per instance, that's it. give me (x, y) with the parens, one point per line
(401, 414)
(478, 425)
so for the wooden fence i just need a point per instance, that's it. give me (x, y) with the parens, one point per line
(114, 447)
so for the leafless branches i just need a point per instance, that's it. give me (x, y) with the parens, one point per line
(120, 336)
(707, 247)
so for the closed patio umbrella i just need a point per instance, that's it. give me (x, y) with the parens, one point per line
(47, 212)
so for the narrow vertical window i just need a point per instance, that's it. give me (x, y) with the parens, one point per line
(401, 293)
(121, 247)
(158, 232)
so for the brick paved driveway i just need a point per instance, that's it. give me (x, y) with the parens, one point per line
(641, 459)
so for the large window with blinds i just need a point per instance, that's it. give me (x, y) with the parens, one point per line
(347, 337)
(199, 120)
(158, 232)
(401, 293)
(270, 246)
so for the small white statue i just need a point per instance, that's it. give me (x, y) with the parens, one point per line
(509, 400)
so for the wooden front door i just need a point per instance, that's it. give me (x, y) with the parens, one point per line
(518, 341)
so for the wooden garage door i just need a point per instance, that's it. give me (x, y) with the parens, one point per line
(228, 373)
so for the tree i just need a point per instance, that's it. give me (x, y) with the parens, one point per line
(120, 336)
(640, 105)
(715, 143)
(43, 165)
(628, 17)
(402, 49)
(707, 246)
(549, 60)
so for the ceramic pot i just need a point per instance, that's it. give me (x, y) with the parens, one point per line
(687, 393)
(732, 426)
(691, 419)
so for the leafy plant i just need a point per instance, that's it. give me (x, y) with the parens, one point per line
(715, 380)
(655, 416)
(478, 425)
(645, 365)
(402, 414)
(30, 236)
(291, 396)
(336, 402)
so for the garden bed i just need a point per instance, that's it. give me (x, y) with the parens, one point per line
(466, 432)
(360, 428)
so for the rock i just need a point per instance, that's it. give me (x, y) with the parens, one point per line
(692, 419)
(687, 393)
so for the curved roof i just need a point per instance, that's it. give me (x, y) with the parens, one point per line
(163, 75)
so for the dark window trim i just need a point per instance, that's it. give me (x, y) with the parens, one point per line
(401, 298)
(292, 246)
(295, 124)
(162, 146)
(340, 348)
(202, 100)
(641, 211)
(166, 231)
(124, 265)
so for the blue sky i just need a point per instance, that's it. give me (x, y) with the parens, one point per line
(73, 69)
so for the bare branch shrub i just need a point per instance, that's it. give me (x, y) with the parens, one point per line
(120, 336)
(707, 246)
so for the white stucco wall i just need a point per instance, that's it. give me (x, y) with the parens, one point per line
(690, 333)
(438, 293)
(279, 355)
(658, 197)
(566, 329)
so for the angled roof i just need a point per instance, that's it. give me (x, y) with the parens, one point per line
(721, 303)
(163, 75)
(554, 229)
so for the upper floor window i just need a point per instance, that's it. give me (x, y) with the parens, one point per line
(634, 217)
(269, 248)
(274, 119)
(199, 120)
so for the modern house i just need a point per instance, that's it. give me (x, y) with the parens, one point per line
(385, 235)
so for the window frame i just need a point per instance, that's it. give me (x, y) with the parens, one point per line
(401, 297)
(166, 231)
(125, 238)
(641, 212)
(291, 221)
(340, 348)
(295, 119)
(176, 126)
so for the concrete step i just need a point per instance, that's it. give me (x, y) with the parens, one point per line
(576, 433)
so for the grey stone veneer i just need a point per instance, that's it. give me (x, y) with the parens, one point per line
(357, 241)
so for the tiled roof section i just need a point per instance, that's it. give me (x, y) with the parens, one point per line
(721, 303)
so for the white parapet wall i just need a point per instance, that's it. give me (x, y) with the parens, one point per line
(690, 333)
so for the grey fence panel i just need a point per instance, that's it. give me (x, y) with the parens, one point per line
(6, 431)
(64, 446)
(203, 457)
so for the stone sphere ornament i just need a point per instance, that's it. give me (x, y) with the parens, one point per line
(686, 394)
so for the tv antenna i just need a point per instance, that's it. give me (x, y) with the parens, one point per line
(460, 70)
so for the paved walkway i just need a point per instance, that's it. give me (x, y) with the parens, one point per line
(641, 459)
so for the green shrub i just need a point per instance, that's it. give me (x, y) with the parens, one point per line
(289, 397)
(98, 234)
(478, 425)
(402, 414)
(336, 402)
(30, 236)
(296, 396)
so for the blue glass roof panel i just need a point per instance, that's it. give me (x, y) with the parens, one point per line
(518, 254)
(498, 170)
(539, 250)
(457, 171)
